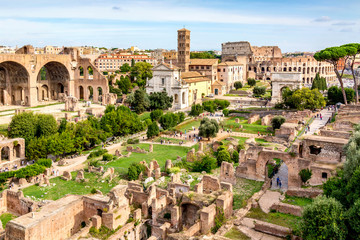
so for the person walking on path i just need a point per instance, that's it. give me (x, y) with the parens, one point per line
(280, 184)
(277, 181)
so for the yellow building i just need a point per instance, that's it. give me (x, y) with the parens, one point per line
(199, 86)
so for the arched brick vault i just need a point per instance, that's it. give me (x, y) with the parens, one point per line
(291, 162)
(23, 71)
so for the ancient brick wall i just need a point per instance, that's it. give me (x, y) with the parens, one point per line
(287, 208)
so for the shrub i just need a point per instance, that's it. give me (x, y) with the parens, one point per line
(132, 141)
(277, 121)
(305, 175)
(44, 162)
(222, 156)
(107, 157)
(156, 114)
(222, 104)
(174, 170)
(235, 156)
(323, 219)
(93, 191)
(94, 163)
(206, 164)
(196, 110)
(97, 153)
(148, 122)
(181, 116)
(259, 91)
(134, 171)
(238, 85)
(153, 130)
(209, 106)
(219, 220)
(251, 82)
(226, 112)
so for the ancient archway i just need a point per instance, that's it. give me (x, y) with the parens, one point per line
(90, 93)
(176, 98)
(100, 94)
(281, 80)
(290, 161)
(14, 83)
(81, 92)
(5, 153)
(56, 77)
(17, 151)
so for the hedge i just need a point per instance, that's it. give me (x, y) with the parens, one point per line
(26, 172)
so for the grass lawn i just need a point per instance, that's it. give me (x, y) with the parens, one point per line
(161, 153)
(285, 220)
(4, 129)
(5, 218)
(247, 128)
(235, 234)
(63, 187)
(188, 125)
(172, 140)
(298, 201)
(144, 116)
(243, 190)
(260, 140)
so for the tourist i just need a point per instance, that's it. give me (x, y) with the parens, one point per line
(280, 184)
(277, 181)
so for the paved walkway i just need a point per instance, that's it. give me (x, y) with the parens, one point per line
(268, 199)
(317, 123)
(283, 176)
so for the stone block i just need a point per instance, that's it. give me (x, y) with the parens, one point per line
(96, 221)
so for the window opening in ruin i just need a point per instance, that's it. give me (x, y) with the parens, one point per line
(99, 212)
(324, 175)
(315, 149)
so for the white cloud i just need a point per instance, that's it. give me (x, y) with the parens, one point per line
(323, 19)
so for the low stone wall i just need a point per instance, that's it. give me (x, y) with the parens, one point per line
(335, 134)
(304, 192)
(272, 229)
(287, 208)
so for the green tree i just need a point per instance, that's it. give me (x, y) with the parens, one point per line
(305, 175)
(209, 106)
(332, 55)
(235, 156)
(251, 82)
(153, 130)
(181, 116)
(141, 101)
(134, 171)
(319, 83)
(350, 94)
(208, 128)
(23, 125)
(335, 95)
(206, 164)
(46, 125)
(168, 120)
(125, 68)
(124, 84)
(223, 156)
(142, 71)
(156, 114)
(238, 85)
(307, 99)
(277, 121)
(324, 219)
(226, 112)
(160, 100)
(196, 110)
(352, 58)
(352, 149)
(259, 91)
(353, 220)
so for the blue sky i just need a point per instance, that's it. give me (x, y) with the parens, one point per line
(292, 25)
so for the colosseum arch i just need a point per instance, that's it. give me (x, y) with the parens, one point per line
(14, 83)
(54, 77)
